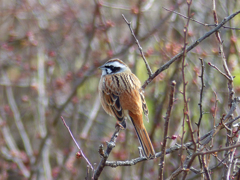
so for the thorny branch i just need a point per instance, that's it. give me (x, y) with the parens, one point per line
(165, 133)
(206, 171)
(186, 116)
(229, 77)
(201, 97)
(110, 146)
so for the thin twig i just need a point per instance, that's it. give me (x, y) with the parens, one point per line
(230, 87)
(201, 96)
(204, 24)
(225, 66)
(210, 169)
(186, 116)
(206, 171)
(80, 150)
(214, 131)
(215, 109)
(87, 174)
(165, 133)
(176, 147)
(189, 48)
(231, 159)
(209, 152)
(220, 162)
(236, 118)
(225, 75)
(139, 47)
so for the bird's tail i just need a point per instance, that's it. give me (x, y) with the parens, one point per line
(144, 140)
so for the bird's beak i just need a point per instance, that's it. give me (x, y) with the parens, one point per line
(101, 67)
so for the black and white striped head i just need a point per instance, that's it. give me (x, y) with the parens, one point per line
(113, 66)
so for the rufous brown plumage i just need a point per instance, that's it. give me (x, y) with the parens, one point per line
(121, 96)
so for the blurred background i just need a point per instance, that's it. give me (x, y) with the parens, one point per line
(49, 54)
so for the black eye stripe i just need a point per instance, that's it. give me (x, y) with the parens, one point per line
(113, 68)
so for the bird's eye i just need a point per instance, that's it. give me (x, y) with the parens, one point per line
(114, 68)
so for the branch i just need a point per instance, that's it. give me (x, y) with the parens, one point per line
(186, 116)
(80, 150)
(214, 131)
(206, 171)
(206, 138)
(194, 20)
(189, 48)
(215, 67)
(110, 146)
(201, 95)
(18, 121)
(165, 133)
(190, 161)
(132, 162)
(139, 47)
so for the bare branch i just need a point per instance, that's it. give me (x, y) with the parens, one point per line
(189, 48)
(18, 121)
(80, 150)
(132, 162)
(186, 116)
(225, 75)
(204, 24)
(165, 133)
(139, 46)
(201, 95)
(110, 146)
(206, 171)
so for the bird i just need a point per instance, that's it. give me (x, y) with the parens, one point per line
(121, 96)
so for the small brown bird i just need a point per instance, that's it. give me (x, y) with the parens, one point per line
(121, 96)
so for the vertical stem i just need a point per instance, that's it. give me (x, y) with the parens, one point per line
(167, 118)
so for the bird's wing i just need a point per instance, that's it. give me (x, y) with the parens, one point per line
(111, 99)
(144, 104)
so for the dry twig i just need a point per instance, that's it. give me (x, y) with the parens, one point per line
(80, 150)
(139, 47)
(165, 133)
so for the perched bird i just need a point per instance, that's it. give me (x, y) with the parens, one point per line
(121, 96)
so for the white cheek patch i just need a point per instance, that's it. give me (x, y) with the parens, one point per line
(106, 71)
(116, 64)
